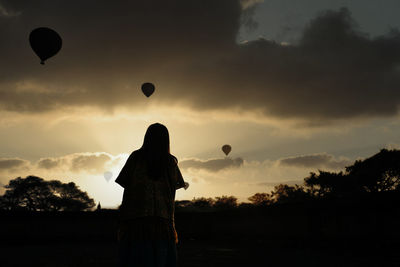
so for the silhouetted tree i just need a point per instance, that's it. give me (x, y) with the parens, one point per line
(329, 183)
(284, 193)
(378, 173)
(245, 205)
(182, 203)
(261, 199)
(225, 202)
(202, 202)
(35, 194)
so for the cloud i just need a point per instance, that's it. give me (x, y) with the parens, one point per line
(247, 16)
(12, 164)
(90, 162)
(80, 162)
(4, 13)
(250, 3)
(213, 165)
(48, 163)
(189, 52)
(316, 161)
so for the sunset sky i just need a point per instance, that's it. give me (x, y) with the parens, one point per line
(293, 86)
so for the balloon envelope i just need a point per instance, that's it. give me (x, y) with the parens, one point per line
(226, 149)
(148, 89)
(45, 43)
(108, 176)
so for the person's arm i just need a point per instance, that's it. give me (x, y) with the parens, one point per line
(180, 183)
(123, 177)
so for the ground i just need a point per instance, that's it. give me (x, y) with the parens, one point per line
(258, 238)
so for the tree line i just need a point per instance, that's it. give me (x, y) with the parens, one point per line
(377, 176)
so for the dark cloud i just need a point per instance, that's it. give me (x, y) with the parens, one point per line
(48, 163)
(213, 165)
(7, 13)
(249, 8)
(188, 50)
(91, 163)
(316, 161)
(250, 3)
(10, 164)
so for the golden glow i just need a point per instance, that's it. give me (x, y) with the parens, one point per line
(89, 131)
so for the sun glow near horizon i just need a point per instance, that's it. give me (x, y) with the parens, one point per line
(194, 136)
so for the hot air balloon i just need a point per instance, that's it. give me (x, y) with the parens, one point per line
(108, 175)
(226, 149)
(45, 43)
(148, 89)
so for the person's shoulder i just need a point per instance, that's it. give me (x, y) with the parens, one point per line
(173, 159)
(135, 154)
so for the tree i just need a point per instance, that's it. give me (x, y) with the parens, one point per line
(284, 193)
(260, 199)
(327, 184)
(35, 194)
(379, 173)
(182, 204)
(225, 202)
(202, 202)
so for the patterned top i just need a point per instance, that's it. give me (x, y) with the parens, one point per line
(145, 197)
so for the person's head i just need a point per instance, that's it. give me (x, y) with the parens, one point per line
(156, 149)
(156, 139)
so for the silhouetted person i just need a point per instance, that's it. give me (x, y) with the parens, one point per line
(150, 176)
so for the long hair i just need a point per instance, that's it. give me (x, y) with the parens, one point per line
(156, 150)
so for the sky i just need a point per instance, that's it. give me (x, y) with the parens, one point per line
(293, 86)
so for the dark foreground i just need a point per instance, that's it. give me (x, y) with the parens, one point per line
(283, 236)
